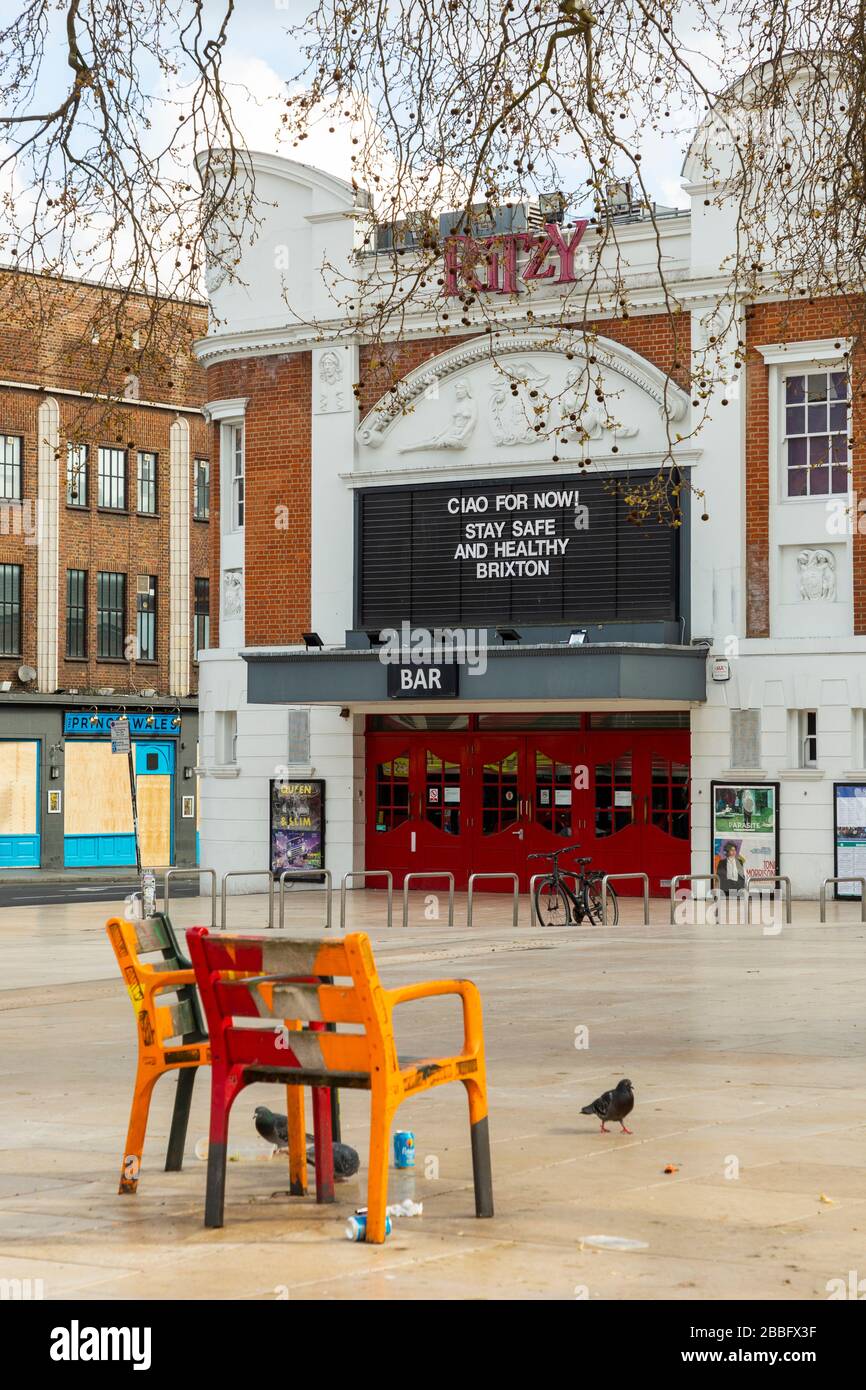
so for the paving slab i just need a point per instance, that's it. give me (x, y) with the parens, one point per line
(746, 1050)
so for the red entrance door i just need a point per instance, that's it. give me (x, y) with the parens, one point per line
(391, 803)
(500, 793)
(441, 780)
(481, 803)
(417, 806)
(632, 813)
(526, 799)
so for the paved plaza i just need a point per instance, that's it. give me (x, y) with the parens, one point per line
(746, 1050)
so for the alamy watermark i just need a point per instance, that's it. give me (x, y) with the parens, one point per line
(22, 517)
(438, 646)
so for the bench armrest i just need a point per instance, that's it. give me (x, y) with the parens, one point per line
(157, 981)
(473, 1037)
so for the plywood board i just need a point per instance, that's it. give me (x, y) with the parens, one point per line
(18, 788)
(97, 790)
(154, 819)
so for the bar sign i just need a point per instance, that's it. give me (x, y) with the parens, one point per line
(410, 681)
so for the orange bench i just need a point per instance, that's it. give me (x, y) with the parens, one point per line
(171, 1035)
(249, 981)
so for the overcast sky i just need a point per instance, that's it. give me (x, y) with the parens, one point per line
(261, 58)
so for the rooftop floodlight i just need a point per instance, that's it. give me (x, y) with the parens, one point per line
(578, 637)
(552, 206)
(508, 634)
(312, 641)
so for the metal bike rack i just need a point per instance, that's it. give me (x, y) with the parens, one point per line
(191, 873)
(306, 873)
(247, 873)
(759, 884)
(619, 877)
(853, 878)
(473, 879)
(367, 873)
(689, 878)
(443, 873)
(563, 873)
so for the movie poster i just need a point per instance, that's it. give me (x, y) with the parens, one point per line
(850, 809)
(745, 831)
(297, 825)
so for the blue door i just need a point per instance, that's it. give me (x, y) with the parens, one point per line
(154, 781)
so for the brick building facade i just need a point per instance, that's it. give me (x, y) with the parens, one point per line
(104, 557)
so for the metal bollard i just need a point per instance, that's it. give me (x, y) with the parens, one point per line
(755, 885)
(367, 873)
(852, 878)
(689, 878)
(443, 873)
(533, 883)
(473, 879)
(306, 873)
(189, 873)
(247, 873)
(606, 880)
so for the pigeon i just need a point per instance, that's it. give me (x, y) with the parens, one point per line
(613, 1105)
(275, 1130)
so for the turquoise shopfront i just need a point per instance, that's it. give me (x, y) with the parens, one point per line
(98, 829)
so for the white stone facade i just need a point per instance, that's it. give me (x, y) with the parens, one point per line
(457, 424)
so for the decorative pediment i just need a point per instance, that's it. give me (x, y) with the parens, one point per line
(522, 389)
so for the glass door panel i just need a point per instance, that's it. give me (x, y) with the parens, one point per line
(392, 792)
(442, 793)
(553, 794)
(614, 796)
(500, 793)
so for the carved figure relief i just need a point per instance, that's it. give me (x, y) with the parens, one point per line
(512, 419)
(331, 386)
(592, 421)
(233, 593)
(458, 433)
(817, 572)
(518, 405)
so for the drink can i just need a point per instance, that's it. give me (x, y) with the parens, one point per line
(356, 1227)
(404, 1149)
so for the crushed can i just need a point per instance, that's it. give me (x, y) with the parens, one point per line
(404, 1149)
(356, 1227)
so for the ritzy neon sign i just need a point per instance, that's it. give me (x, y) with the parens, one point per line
(468, 258)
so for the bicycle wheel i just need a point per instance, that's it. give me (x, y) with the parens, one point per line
(593, 899)
(552, 907)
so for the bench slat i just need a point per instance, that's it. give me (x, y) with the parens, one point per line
(344, 1080)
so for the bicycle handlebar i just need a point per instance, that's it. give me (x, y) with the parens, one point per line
(554, 853)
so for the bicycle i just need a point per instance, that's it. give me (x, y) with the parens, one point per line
(555, 903)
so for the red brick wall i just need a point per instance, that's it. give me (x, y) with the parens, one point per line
(277, 511)
(780, 323)
(64, 333)
(92, 539)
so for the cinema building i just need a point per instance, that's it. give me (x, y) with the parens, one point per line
(651, 691)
